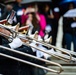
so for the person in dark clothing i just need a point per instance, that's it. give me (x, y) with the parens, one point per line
(8, 66)
(7, 11)
(12, 67)
(18, 7)
(70, 32)
(55, 25)
(9, 15)
(52, 18)
(49, 17)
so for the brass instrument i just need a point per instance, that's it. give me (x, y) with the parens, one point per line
(57, 56)
(67, 57)
(22, 53)
(51, 46)
(48, 45)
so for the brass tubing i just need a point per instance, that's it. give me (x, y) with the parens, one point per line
(25, 54)
(51, 46)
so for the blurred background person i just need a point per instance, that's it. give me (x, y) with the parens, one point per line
(7, 11)
(55, 24)
(69, 31)
(69, 7)
(18, 9)
(32, 21)
(49, 16)
(52, 18)
(9, 15)
(40, 18)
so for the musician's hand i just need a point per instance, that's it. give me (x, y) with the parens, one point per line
(15, 43)
(2, 30)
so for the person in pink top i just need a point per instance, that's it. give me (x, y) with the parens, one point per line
(40, 17)
(42, 24)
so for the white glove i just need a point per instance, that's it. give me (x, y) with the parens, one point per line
(46, 56)
(15, 43)
(39, 53)
(33, 44)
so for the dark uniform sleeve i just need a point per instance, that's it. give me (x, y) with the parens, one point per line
(8, 66)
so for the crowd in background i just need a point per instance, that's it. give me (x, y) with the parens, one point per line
(43, 19)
